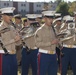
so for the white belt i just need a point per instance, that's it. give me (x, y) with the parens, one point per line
(2, 52)
(34, 48)
(69, 46)
(30, 48)
(24, 46)
(10, 52)
(46, 51)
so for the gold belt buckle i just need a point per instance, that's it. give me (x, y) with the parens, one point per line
(51, 52)
(70, 46)
(12, 52)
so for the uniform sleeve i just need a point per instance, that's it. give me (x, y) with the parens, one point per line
(13, 37)
(39, 40)
(16, 35)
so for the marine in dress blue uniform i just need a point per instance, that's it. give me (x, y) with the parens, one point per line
(8, 38)
(18, 24)
(29, 57)
(58, 27)
(69, 47)
(46, 41)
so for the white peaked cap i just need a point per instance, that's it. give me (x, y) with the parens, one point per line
(31, 16)
(39, 15)
(75, 12)
(57, 14)
(58, 19)
(17, 15)
(7, 10)
(65, 17)
(69, 18)
(48, 13)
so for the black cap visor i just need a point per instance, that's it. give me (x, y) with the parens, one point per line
(8, 14)
(31, 19)
(49, 16)
(69, 21)
(18, 17)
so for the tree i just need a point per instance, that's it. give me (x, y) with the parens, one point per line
(59, 1)
(63, 8)
(72, 7)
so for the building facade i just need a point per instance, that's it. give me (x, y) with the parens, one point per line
(28, 7)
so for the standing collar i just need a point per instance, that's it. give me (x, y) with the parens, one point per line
(47, 27)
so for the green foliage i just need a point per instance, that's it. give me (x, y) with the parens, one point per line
(63, 8)
(72, 7)
(59, 1)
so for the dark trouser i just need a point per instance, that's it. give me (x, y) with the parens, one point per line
(47, 64)
(28, 59)
(58, 55)
(0, 64)
(9, 64)
(69, 57)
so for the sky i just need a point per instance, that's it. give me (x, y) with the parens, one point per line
(37, 0)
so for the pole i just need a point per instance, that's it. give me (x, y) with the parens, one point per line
(0, 3)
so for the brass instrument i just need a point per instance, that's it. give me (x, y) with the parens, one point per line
(68, 33)
(26, 32)
(29, 31)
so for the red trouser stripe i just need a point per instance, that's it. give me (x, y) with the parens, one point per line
(39, 64)
(60, 63)
(0, 64)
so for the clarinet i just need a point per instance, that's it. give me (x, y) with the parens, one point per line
(5, 50)
(59, 45)
(27, 49)
(56, 36)
(23, 43)
(13, 24)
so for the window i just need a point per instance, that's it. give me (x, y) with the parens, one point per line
(38, 11)
(7, 4)
(22, 10)
(21, 4)
(37, 5)
(24, 4)
(4, 4)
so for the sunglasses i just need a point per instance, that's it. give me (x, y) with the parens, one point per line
(9, 14)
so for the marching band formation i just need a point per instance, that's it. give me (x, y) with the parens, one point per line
(47, 47)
